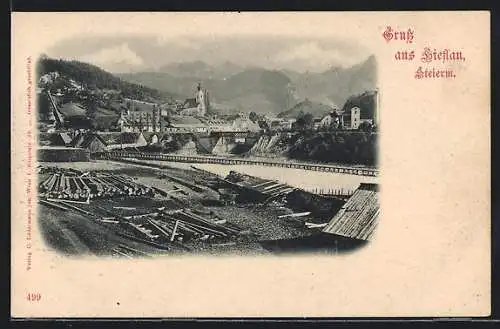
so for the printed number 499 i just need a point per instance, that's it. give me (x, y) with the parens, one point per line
(34, 297)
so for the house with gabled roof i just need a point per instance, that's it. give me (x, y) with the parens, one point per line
(60, 139)
(90, 141)
(123, 140)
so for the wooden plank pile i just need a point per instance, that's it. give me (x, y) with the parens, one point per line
(82, 188)
(185, 225)
(256, 189)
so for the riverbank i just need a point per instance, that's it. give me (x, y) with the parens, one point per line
(75, 234)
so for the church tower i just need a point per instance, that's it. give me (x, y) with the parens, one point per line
(201, 100)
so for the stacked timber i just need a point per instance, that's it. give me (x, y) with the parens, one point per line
(256, 189)
(185, 225)
(66, 185)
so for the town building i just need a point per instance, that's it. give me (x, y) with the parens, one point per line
(279, 124)
(146, 119)
(245, 124)
(217, 125)
(352, 119)
(105, 141)
(123, 140)
(332, 120)
(186, 124)
(61, 139)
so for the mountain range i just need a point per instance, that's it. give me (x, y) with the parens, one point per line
(201, 70)
(232, 88)
(235, 88)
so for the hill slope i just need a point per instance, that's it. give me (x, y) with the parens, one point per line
(365, 101)
(92, 77)
(315, 108)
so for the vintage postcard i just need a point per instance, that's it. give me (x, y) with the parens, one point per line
(324, 164)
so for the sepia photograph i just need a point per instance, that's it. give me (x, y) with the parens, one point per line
(247, 145)
(250, 164)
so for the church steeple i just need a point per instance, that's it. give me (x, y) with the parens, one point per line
(201, 100)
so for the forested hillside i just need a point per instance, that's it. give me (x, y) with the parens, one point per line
(92, 77)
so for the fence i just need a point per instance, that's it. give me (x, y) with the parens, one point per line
(332, 192)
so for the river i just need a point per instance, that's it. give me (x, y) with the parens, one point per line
(305, 179)
(301, 178)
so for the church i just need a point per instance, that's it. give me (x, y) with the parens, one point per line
(198, 105)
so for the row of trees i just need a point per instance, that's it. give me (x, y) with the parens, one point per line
(338, 147)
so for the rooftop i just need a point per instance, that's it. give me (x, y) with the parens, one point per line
(185, 120)
(358, 218)
(119, 138)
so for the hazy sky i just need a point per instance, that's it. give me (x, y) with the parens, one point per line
(135, 53)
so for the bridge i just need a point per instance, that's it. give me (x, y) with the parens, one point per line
(235, 133)
(120, 154)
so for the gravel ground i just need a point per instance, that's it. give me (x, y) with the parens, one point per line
(264, 222)
(73, 234)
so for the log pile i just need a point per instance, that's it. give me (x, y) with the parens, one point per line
(82, 188)
(185, 225)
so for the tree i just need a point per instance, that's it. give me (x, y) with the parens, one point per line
(91, 110)
(253, 116)
(43, 106)
(263, 125)
(304, 121)
(365, 126)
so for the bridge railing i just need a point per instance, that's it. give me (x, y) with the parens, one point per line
(118, 154)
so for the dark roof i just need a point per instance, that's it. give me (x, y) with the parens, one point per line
(120, 138)
(185, 120)
(206, 145)
(89, 138)
(110, 138)
(77, 140)
(190, 102)
(358, 217)
(213, 121)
